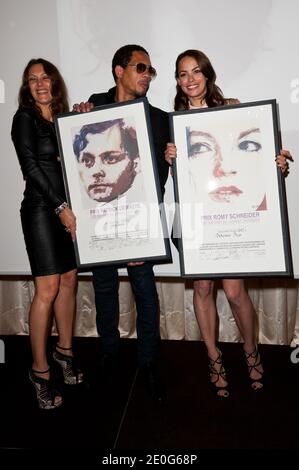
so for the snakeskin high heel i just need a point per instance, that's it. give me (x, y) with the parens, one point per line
(71, 374)
(45, 390)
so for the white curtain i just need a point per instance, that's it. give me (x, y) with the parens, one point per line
(275, 301)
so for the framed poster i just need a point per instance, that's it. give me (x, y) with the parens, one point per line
(231, 218)
(112, 184)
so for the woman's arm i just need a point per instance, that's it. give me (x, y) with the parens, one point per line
(24, 137)
(282, 160)
(170, 153)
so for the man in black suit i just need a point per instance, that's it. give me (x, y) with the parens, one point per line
(133, 72)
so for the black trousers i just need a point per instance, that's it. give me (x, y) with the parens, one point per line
(106, 284)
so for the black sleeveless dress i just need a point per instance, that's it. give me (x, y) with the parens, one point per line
(50, 248)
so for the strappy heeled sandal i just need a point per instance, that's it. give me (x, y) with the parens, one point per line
(45, 390)
(71, 374)
(256, 384)
(221, 392)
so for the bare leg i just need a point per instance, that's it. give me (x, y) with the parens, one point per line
(46, 288)
(64, 308)
(244, 314)
(206, 315)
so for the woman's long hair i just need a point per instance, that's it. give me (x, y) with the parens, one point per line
(59, 102)
(214, 96)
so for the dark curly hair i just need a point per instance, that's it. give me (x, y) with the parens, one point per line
(214, 96)
(59, 102)
(128, 135)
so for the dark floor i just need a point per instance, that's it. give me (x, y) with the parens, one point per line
(115, 415)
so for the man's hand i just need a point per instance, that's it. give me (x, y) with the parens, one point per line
(83, 107)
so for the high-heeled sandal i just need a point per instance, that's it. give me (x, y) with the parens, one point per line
(45, 390)
(256, 384)
(71, 374)
(221, 392)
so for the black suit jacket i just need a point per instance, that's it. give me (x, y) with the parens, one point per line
(160, 131)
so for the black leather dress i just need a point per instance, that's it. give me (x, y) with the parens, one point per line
(50, 248)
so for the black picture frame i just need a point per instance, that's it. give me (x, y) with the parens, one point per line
(112, 185)
(231, 217)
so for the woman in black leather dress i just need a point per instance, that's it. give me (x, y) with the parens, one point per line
(48, 224)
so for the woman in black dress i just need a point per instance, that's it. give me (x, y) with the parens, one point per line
(48, 224)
